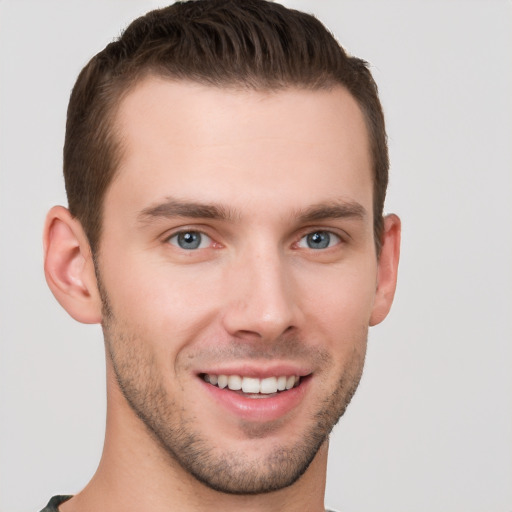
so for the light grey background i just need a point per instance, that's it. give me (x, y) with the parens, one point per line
(430, 428)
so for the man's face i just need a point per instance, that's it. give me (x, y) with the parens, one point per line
(237, 250)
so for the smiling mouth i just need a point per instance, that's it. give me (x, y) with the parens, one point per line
(254, 387)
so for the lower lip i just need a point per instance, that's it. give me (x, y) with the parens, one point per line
(259, 409)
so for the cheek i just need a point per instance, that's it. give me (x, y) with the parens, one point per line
(341, 302)
(165, 302)
(162, 302)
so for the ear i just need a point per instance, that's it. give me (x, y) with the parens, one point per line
(387, 268)
(69, 268)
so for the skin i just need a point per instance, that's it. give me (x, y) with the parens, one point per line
(254, 173)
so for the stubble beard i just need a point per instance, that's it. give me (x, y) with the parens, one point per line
(228, 471)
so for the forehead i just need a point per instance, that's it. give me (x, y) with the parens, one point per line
(211, 143)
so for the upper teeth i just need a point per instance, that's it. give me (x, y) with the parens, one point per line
(253, 385)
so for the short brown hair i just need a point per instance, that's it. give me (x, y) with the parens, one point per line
(254, 44)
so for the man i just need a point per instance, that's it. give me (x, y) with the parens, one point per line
(226, 168)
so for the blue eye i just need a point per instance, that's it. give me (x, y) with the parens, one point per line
(190, 240)
(319, 240)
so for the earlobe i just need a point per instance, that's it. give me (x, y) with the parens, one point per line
(69, 268)
(387, 269)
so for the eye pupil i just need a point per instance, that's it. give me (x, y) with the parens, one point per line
(189, 240)
(318, 240)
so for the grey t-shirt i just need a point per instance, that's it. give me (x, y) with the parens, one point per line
(53, 504)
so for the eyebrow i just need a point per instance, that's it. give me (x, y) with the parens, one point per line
(332, 210)
(175, 208)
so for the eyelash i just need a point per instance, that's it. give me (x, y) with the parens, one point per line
(330, 235)
(198, 239)
(192, 242)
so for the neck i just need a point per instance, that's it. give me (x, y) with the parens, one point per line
(136, 473)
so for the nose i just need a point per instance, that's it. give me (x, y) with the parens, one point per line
(261, 303)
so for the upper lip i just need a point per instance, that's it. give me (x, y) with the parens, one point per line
(260, 371)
